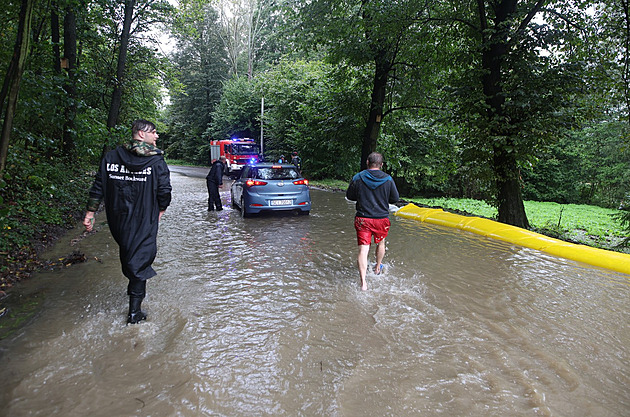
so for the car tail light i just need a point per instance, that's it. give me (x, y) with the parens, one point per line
(303, 203)
(251, 183)
(276, 166)
(301, 182)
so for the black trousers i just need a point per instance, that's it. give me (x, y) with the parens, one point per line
(137, 288)
(214, 199)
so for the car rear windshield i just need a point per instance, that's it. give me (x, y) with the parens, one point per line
(283, 173)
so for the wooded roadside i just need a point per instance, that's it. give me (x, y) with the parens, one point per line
(21, 261)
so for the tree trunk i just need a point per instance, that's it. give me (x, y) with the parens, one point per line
(373, 126)
(70, 53)
(56, 131)
(13, 78)
(510, 199)
(54, 34)
(114, 108)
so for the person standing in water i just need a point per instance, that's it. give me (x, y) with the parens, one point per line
(214, 180)
(134, 182)
(373, 190)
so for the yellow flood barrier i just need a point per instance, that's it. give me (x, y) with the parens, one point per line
(615, 261)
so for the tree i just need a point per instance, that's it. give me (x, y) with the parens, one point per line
(114, 107)
(138, 18)
(62, 112)
(389, 38)
(238, 112)
(515, 91)
(610, 43)
(421, 155)
(243, 23)
(497, 24)
(310, 107)
(55, 37)
(13, 78)
(70, 56)
(201, 66)
(316, 109)
(614, 16)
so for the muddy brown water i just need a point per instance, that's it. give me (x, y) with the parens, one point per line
(265, 317)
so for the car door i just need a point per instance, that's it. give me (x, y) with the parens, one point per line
(237, 187)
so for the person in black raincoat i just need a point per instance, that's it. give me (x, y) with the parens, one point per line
(214, 180)
(134, 182)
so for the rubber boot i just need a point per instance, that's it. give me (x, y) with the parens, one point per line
(135, 314)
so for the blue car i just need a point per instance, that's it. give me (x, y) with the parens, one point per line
(265, 187)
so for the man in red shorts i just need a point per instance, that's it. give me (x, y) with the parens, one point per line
(373, 190)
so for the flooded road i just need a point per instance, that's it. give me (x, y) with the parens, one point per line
(265, 317)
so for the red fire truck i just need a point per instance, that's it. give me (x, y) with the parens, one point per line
(237, 151)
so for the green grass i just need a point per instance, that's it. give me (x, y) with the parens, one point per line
(326, 183)
(582, 223)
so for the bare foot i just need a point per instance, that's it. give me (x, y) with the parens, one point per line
(379, 270)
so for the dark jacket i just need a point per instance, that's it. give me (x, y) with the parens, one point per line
(297, 161)
(216, 172)
(134, 182)
(373, 190)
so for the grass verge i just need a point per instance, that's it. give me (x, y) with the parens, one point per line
(337, 185)
(578, 223)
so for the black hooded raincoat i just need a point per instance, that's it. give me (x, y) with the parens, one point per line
(134, 182)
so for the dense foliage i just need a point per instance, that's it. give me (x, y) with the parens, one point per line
(38, 192)
(40, 198)
(199, 69)
(587, 166)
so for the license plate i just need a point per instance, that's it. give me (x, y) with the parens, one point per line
(281, 202)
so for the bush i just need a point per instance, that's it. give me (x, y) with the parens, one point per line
(38, 193)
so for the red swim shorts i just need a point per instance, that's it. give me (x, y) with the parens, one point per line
(366, 228)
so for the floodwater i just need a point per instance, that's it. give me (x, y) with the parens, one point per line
(265, 317)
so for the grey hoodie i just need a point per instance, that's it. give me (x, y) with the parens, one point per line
(373, 190)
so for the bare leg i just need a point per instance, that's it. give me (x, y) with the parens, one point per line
(380, 254)
(362, 262)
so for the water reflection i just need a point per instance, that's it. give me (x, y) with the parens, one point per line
(264, 316)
